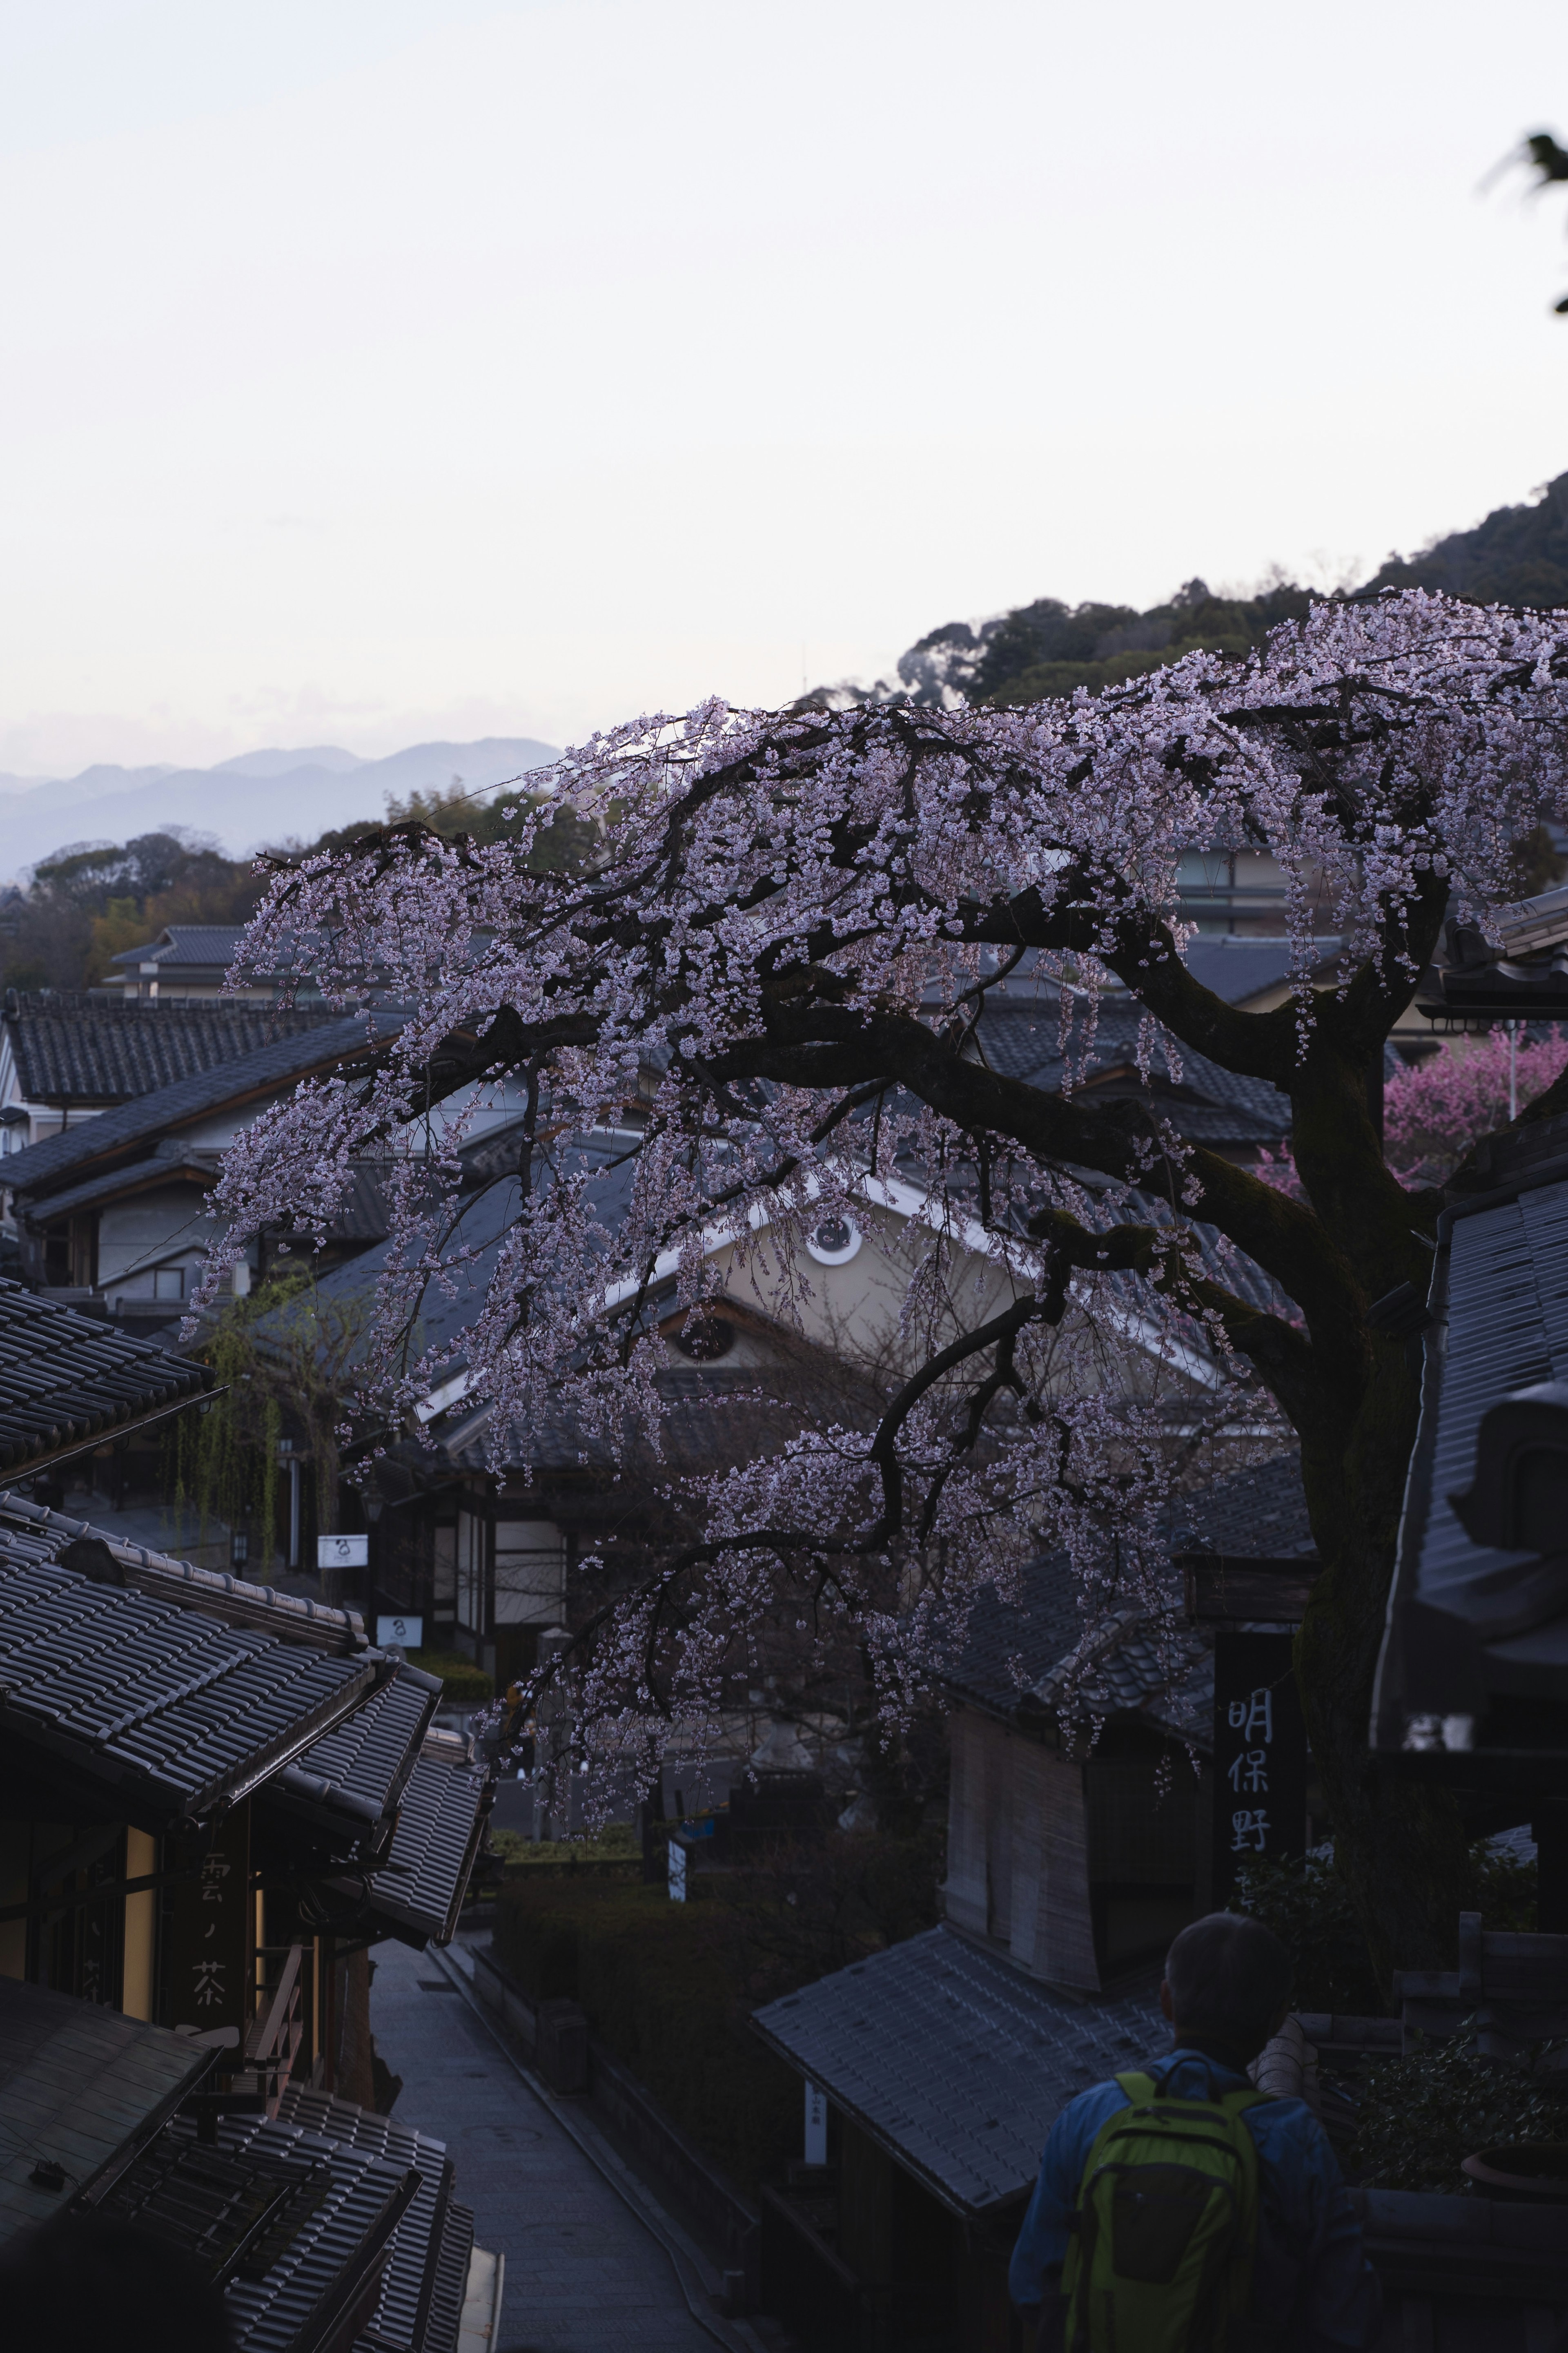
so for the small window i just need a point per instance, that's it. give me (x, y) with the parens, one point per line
(835, 1241)
(169, 1282)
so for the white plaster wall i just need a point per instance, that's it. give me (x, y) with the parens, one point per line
(151, 1228)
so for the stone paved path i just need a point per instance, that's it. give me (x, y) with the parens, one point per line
(583, 2275)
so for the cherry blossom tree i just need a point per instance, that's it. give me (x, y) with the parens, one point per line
(781, 948)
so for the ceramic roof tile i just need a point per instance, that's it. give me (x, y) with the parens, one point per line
(81, 2085)
(72, 1049)
(66, 1377)
(956, 2062)
(187, 944)
(304, 2297)
(145, 1119)
(31, 1532)
(169, 1710)
(409, 2284)
(1472, 1626)
(419, 1890)
(345, 1787)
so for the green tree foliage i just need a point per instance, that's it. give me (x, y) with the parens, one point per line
(281, 1356)
(670, 1988)
(495, 817)
(462, 1684)
(1518, 556)
(93, 899)
(1049, 648)
(1310, 1908)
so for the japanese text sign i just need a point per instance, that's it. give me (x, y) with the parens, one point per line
(209, 1930)
(1259, 1756)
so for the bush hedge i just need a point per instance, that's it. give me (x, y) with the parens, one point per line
(462, 1684)
(1307, 1905)
(1421, 2117)
(659, 1982)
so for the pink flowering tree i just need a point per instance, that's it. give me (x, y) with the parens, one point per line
(1435, 1110)
(780, 948)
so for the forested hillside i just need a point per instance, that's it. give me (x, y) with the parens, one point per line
(1519, 556)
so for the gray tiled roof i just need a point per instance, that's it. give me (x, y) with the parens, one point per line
(145, 1118)
(955, 2061)
(187, 944)
(344, 1791)
(1259, 1514)
(163, 1710)
(1508, 1329)
(363, 1217)
(1237, 968)
(309, 2291)
(66, 1378)
(714, 1418)
(418, 1891)
(450, 2282)
(170, 1163)
(1468, 1619)
(1021, 1040)
(73, 1049)
(30, 1532)
(81, 2085)
(403, 2312)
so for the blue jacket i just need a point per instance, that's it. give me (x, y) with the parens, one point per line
(1311, 2269)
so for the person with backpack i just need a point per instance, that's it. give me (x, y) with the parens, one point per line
(1181, 2210)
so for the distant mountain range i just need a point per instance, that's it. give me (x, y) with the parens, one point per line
(255, 799)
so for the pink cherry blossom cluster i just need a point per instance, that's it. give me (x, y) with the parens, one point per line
(1436, 1110)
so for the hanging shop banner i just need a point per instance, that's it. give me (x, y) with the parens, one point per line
(1260, 1757)
(209, 1934)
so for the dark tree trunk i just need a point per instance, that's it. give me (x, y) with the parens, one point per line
(1400, 1844)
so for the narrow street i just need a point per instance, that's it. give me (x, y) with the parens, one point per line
(583, 2275)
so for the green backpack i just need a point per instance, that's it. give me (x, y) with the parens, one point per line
(1161, 2256)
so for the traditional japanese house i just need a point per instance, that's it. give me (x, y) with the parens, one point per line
(941, 2066)
(112, 1208)
(67, 1055)
(209, 1788)
(213, 1799)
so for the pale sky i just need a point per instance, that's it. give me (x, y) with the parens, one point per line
(377, 370)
